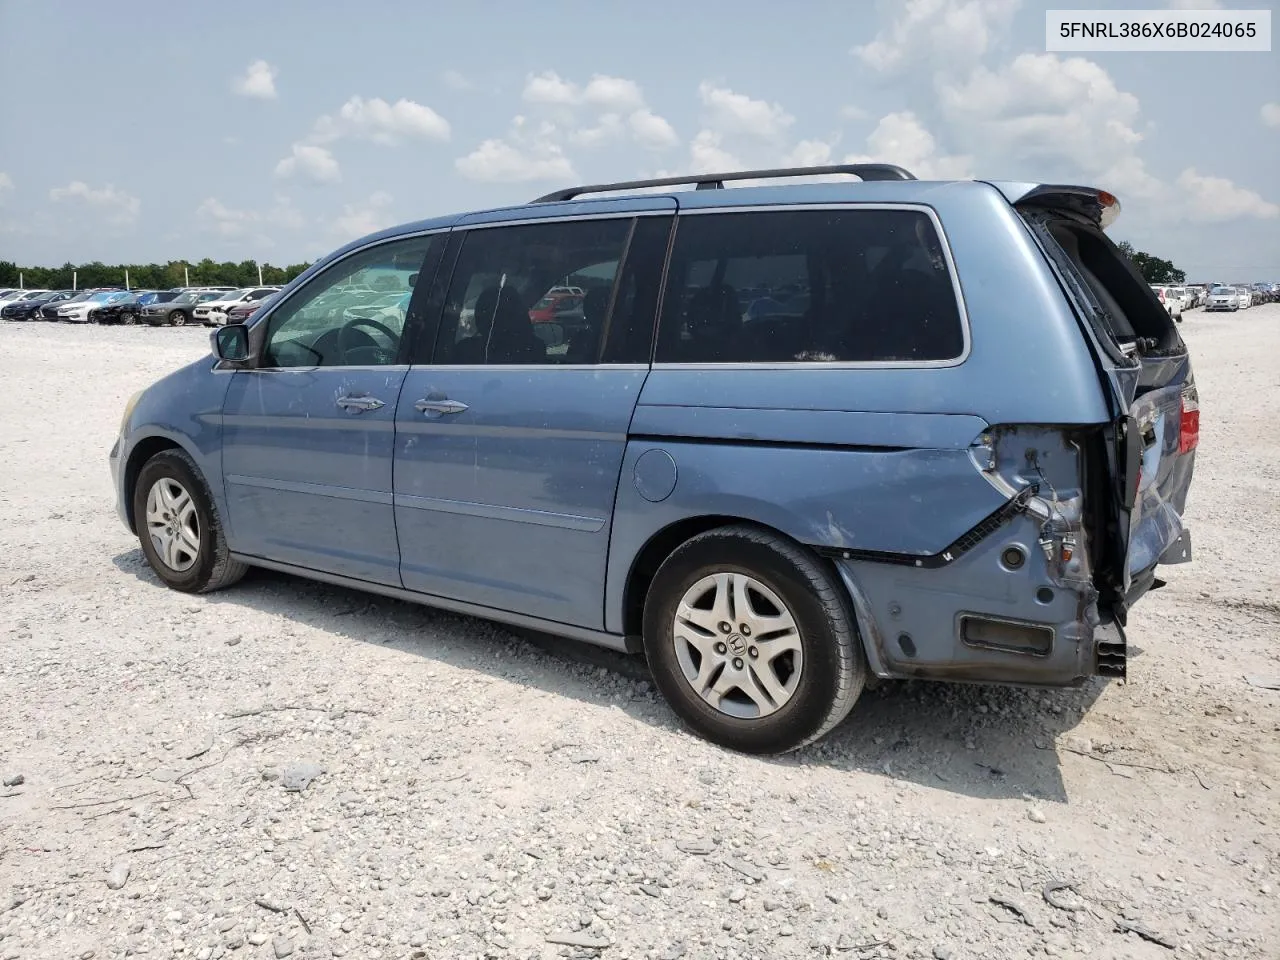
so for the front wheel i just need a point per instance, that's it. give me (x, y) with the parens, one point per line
(128, 319)
(179, 528)
(751, 641)
(177, 318)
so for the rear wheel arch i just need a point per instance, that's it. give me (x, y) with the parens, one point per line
(666, 541)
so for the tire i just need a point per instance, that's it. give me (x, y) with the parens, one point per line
(177, 318)
(128, 319)
(806, 702)
(202, 562)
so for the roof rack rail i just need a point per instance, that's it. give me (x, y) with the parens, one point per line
(716, 181)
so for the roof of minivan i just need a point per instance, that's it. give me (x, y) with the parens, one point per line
(842, 191)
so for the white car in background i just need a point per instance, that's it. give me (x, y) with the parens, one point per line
(213, 313)
(1169, 300)
(78, 311)
(1244, 296)
(1187, 296)
(1222, 298)
(17, 296)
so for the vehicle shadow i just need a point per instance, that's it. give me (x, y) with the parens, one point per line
(988, 742)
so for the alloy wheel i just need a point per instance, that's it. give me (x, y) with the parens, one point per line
(173, 524)
(738, 645)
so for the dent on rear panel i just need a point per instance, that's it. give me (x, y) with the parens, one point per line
(1016, 602)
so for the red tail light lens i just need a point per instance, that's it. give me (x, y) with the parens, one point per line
(1189, 429)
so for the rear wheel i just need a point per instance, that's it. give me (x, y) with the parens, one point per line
(751, 641)
(177, 318)
(179, 528)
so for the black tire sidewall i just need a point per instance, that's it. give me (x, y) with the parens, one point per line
(174, 465)
(807, 710)
(177, 319)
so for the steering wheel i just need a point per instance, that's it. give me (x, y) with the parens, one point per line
(344, 337)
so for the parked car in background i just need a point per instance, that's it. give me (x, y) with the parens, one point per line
(1171, 302)
(30, 309)
(1222, 299)
(19, 296)
(755, 548)
(178, 311)
(123, 309)
(156, 296)
(49, 311)
(213, 313)
(240, 312)
(1187, 298)
(1244, 296)
(81, 311)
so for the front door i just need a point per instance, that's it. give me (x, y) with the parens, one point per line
(510, 442)
(309, 433)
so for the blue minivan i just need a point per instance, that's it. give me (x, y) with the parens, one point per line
(800, 435)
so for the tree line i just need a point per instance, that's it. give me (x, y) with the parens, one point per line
(148, 276)
(1152, 268)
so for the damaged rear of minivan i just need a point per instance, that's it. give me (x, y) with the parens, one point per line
(1139, 466)
(1039, 591)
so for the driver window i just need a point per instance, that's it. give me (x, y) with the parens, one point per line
(353, 313)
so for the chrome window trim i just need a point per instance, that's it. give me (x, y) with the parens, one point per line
(523, 366)
(265, 316)
(930, 212)
(567, 218)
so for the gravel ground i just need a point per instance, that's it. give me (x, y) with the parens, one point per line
(288, 769)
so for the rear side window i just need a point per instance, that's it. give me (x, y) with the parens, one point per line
(792, 286)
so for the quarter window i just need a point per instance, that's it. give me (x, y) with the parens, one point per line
(532, 294)
(351, 314)
(809, 286)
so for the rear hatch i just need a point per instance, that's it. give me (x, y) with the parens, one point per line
(1139, 468)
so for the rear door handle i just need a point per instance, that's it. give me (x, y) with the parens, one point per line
(359, 404)
(440, 407)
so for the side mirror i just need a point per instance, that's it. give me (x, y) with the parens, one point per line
(231, 343)
(413, 280)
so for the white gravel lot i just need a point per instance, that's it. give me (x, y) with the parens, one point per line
(485, 796)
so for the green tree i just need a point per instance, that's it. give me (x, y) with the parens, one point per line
(1152, 268)
(155, 276)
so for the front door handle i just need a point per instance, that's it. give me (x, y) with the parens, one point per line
(359, 404)
(440, 407)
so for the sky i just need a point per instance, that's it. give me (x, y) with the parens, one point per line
(140, 131)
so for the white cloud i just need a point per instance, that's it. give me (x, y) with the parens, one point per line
(613, 93)
(382, 122)
(1059, 117)
(608, 127)
(902, 139)
(6, 184)
(216, 217)
(548, 88)
(851, 112)
(736, 113)
(258, 81)
(941, 33)
(706, 155)
(651, 130)
(360, 219)
(310, 162)
(1215, 199)
(119, 206)
(808, 153)
(455, 80)
(497, 161)
(1270, 114)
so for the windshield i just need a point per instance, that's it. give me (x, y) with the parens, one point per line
(1222, 291)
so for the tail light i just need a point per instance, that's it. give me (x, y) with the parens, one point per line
(1189, 429)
